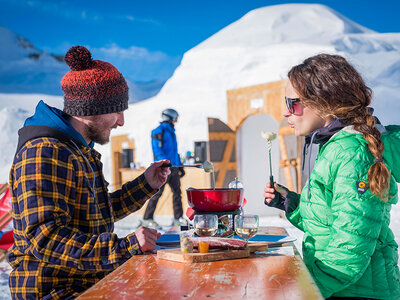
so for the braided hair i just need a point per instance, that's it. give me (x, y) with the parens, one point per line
(333, 87)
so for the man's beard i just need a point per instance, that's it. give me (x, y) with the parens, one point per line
(95, 133)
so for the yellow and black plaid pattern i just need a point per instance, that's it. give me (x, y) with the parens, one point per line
(64, 219)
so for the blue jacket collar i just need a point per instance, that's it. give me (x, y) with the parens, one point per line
(48, 116)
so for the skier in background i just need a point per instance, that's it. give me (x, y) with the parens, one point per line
(164, 145)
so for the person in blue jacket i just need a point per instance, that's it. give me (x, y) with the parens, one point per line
(165, 146)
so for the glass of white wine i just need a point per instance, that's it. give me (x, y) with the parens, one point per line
(205, 225)
(246, 226)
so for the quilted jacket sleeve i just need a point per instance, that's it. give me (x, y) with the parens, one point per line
(294, 215)
(47, 199)
(356, 223)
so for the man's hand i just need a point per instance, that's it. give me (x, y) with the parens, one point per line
(157, 176)
(146, 238)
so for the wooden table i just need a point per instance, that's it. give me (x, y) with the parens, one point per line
(256, 277)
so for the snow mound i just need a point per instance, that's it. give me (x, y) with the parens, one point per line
(258, 48)
(11, 119)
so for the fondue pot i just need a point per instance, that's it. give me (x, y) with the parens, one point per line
(217, 200)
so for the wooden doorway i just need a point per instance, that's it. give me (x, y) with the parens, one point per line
(253, 162)
(222, 147)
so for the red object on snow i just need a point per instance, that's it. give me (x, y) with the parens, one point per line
(215, 199)
(5, 202)
(7, 240)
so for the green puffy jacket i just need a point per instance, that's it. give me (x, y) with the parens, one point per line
(348, 246)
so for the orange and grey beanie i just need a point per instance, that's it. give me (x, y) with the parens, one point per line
(92, 87)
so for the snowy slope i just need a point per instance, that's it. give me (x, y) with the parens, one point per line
(261, 47)
(26, 69)
(139, 91)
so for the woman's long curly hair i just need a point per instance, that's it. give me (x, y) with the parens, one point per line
(333, 87)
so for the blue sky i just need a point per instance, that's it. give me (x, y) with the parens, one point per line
(148, 38)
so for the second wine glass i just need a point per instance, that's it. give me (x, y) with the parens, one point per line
(246, 226)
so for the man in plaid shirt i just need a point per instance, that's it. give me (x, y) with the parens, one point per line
(63, 213)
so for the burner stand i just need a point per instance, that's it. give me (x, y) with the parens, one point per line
(232, 213)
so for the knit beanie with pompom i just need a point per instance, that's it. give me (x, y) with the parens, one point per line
(92, 87)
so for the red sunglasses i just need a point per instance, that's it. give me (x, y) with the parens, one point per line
(293, 105)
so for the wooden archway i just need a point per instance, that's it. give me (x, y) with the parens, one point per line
(222, 145)
(267, 99)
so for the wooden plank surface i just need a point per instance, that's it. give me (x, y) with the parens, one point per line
(259, 276)
(258, 246)
(196, 257)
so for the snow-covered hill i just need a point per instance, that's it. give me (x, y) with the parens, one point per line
(26, 69)
(139, 91)
(261, 47)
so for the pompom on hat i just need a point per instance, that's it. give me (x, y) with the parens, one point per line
(92, 87)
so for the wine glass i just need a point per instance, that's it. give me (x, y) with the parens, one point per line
(246, 226)
(205, 225)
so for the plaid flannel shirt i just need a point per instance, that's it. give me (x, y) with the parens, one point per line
(64, 219)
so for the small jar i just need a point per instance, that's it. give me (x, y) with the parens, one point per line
(186, 245)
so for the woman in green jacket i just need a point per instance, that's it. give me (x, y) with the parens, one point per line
(344, 208)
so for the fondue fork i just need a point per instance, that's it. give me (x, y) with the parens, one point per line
(206, 166)
(181, 166)
(269, 137)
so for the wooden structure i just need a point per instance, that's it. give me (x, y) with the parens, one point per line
(118, 143)
(286, 163)
(222, 141)
(194, 177)
(245, 102)
(260, 276)
(266, 98)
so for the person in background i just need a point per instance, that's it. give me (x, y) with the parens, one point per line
(344, 208)
(62, 210)
(164, 145)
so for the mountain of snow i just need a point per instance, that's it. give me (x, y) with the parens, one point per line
(139, 91)
(11, 120)
(26, 69)
(258, 48)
